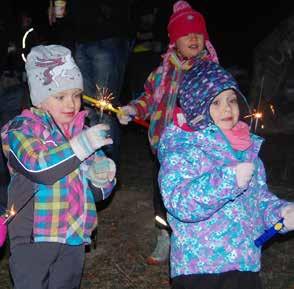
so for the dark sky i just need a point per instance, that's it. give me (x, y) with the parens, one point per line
(234, 29)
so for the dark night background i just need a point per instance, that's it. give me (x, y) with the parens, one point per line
(234, 27)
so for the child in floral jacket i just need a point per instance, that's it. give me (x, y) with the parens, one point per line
(214, 188)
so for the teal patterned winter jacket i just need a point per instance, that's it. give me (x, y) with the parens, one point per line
(214, 223)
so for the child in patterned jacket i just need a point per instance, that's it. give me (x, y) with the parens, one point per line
(57, 174)
(189, 42)
(214, 188)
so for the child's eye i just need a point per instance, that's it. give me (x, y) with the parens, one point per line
(215, 102)
(78, 96)
(233, 100)
(59, 97)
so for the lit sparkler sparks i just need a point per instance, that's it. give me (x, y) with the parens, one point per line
(9, 214)
(103, 102)
(254, 115)
(272, 109)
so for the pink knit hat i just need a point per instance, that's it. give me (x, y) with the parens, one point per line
(185, 20)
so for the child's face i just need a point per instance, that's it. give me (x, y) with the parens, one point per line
(190, 45)
(63, 106)
(224, 109)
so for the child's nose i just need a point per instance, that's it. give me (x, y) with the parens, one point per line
(227, 107)
(193, 36)
(70, 102)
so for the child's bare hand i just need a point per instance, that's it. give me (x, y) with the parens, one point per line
(244, 173)
(288, 215)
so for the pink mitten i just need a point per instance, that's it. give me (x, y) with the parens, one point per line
(3, 231)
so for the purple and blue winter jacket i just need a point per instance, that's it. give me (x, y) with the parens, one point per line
(214, 223)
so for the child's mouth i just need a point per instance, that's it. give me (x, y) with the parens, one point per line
(69, 113)
(227, 119)
(194, 46)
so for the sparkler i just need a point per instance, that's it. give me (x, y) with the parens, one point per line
(103, 102)
(8, 215)
(259, 102)
(268, 234)
(4, 219)
(272, 109)
(256, 116)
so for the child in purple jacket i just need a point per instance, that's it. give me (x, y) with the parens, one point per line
(57, 174)
(214, 188)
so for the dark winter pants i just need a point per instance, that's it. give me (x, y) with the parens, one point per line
(47, 266)
(103, 63)
(227, 280)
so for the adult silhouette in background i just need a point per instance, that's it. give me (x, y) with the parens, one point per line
(101, 33)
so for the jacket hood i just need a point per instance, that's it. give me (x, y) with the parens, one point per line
(199, 87)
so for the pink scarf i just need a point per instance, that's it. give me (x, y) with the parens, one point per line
(239, 136)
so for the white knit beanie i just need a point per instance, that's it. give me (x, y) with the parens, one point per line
(50, 70)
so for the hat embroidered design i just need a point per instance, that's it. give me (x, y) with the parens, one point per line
(190, 17)
(55, 68)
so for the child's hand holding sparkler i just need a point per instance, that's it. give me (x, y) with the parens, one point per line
(287, 222)
(126, 114)
(89, 140)
(102, 102)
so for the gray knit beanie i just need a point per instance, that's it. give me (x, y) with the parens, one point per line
(51, 69)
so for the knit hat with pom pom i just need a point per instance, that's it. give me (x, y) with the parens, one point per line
(184, 21)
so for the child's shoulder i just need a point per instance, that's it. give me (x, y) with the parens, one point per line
(156, 71)
(29, 118)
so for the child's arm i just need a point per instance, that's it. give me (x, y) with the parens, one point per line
(192, 192)
(270, 205)
(43, 160)
(144, 105)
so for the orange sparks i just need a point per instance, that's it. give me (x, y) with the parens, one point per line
(255, 115)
